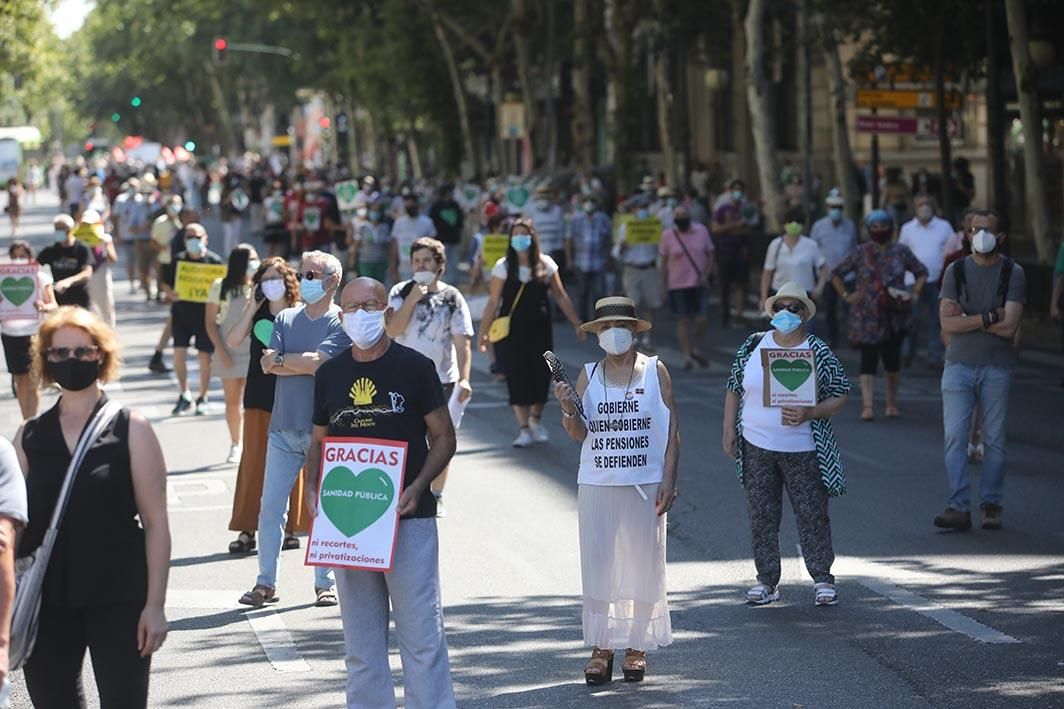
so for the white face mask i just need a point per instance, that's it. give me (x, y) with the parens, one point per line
(924, 213)
(424, 278)
(273, 289)
(364, 328)
(983, 242)
(615, 340)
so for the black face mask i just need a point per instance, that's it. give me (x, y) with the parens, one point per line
(683, 223)
(74, 374)
(412, 211)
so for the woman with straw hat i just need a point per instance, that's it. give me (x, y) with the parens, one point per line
(790, 447)
(627, 482)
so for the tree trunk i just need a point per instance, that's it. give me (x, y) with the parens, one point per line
(582, 125)
(1034, 166)
(744, 161)
(995, 116)
(761, 119)
(548, 83)
(499, 159)
(840, 134)
(470, 162)
(944, 147)
(663, 91)
(228, 137)
(522, 28)
(353, 158)
(805, 104)
(619, 25)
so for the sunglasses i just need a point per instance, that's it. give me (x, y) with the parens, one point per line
(793, 307)
(85, 354)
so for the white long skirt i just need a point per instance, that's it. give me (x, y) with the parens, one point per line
(622, 564)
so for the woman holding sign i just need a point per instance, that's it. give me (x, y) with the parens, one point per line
(784, 387)
(627, 482)
(25, 293)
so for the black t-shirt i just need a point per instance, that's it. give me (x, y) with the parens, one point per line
(447, 217)
(66, 261)
(186, 311)
(404, 388)
(258, 391)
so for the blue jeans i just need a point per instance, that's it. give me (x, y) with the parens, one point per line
(285, 453)
(590, 287)
(935, 349)
(963, 388)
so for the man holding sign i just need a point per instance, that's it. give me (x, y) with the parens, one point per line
(380, 413)
(187, 287)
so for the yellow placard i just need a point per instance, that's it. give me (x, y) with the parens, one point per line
(493, 248)
(643, 231)
(193, 281)
(89, 234)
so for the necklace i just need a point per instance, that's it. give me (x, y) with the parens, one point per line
(627, 389)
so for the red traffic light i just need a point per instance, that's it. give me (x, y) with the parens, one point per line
(221, 44)
(324, 122)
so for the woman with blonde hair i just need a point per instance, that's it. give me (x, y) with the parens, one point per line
(105, 585)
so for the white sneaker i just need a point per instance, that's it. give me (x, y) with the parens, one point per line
(234, 453)
(524, 439)
(539, 432)
(975, 452)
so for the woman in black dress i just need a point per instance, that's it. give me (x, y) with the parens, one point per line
(105, 586)
(521, 283)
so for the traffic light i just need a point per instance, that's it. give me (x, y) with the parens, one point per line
(135, 102)
(221, 51)
(190, 146)
(324, 122)
(116, 117)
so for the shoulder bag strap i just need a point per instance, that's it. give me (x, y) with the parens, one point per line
(687, 253)
(514, 304)
(92, 431)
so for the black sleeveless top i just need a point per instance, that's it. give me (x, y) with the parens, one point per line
(99, 554)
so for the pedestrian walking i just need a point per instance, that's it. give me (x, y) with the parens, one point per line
(589, 242)
(432, 317)
(880, 306)
(407, 228)
(275, 234)
(303, 338)
(13, 518)
(412, 587)
(520, 289)
(549, 220)
(274, 288)
(981, 309)
(926, 235)
(74, 187)
(189, 318)
(686, 263)
(70, 262)
(17, 334)
(623, 497)
(105, 585)
(225, 305)
(793, 258)
(101, 285)
(790, 448)
(640, 274)
(234, 202)
(734, 219)
(371, 241)
(836, 235)
(449, 221)
(14, 204)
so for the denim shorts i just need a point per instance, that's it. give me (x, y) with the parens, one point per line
(687, 302)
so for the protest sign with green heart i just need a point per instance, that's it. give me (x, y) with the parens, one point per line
(17, 290)
(354, 502)
(345, 194)
(518, 195)
(791, 373)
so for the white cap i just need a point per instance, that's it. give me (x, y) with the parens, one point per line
(90, 216)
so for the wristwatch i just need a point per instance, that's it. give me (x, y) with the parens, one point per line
(278, 359)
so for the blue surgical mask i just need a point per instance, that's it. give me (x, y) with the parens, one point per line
(737, 195)
(194, 246)
(643, 214)
(836, 214)
(311, 290)
(374, 215)
(786, 322)
(521, 242)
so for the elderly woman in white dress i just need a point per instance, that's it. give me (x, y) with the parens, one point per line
(627, 482)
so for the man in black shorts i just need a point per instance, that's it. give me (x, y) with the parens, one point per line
(189, 322)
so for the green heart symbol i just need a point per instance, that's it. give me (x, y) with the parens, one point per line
(346, 191)
(791, 373)
(263, 331)
(517, 196)
(450, 216)
(17, 290)
(354, 502)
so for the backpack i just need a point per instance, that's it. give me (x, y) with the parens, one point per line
(1003, 278)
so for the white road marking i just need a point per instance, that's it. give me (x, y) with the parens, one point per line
(206, 508)
(268, 626)
(873, 576)
(175, 489)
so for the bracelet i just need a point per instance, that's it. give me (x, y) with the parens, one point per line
(568, 415)
(986, 320)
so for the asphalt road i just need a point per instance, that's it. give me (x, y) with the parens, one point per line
(926, 618)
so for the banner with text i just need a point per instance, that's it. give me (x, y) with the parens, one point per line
(790, 377)
(19, 287)
(493, 248)
(358, 504)
(643, 231)
(193, 280)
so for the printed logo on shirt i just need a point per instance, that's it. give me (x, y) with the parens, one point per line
(364, 412)
(362, 392)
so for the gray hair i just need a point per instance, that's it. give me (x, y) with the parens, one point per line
(331, 263)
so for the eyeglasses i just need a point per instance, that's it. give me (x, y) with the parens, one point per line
(370, 306)
(793, 307)
(313, 275)
(85, 354)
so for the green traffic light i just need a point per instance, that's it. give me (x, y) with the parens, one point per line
(135, 101)
(190, 146)
(116, 117)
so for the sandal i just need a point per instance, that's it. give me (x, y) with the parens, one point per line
(824, 594)
(761, 595)
(635, 665)
(599, 669)
(291, 541)
(892, 412)
(868, 414)
(244, 544)
(326, 597)
(700, 359)
(259, 597)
